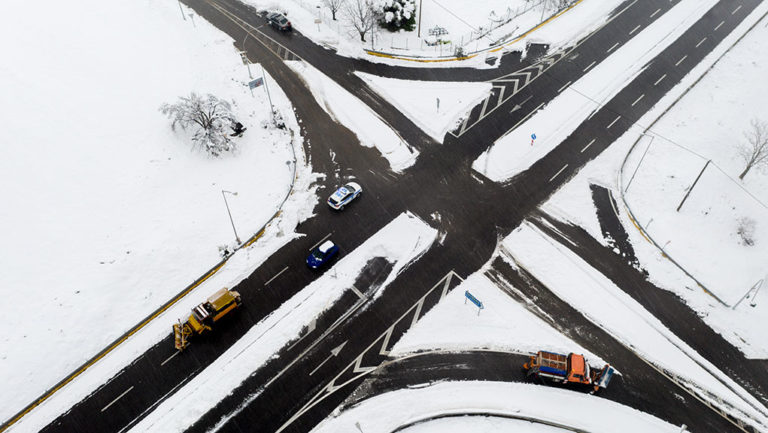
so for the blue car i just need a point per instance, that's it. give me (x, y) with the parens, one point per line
(344, 195)
(322, 254)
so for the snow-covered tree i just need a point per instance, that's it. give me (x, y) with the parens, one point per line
(397, 14)
(208, 116)
(334, 6)
(755, 153)
(360, 15)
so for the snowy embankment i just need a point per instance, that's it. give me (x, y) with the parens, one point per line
(351, 112)
(503, 325)
(578, 284)
(513, 153)
(401, 242)
(435, 106)
(387, 412)
(711, 222)
(113, 213)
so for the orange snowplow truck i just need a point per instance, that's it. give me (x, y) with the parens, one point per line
(205, 315)
(569, 369)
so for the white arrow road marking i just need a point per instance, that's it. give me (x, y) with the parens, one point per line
(334, 352)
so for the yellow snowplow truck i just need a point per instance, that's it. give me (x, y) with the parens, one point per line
(205, 315)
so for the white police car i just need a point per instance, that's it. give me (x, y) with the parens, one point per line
(344, 195)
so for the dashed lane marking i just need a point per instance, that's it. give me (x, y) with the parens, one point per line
(614, 121)
(564, 86)
(277, 275)
(701, 42)
(638, 99)
(681, 60)
(612, 47)
(736, 10)
(659, 80)
(719, 25)
(556, 174)
(635, 29)
(654, 14)
(171, 357)
(587, 146)
(590, 65)
(118, 398)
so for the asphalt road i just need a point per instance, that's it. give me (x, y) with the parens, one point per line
(284, 396)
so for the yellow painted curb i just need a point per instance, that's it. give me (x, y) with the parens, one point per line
(493, 50)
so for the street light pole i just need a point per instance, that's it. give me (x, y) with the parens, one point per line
(237, 238)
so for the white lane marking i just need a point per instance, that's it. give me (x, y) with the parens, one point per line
(276, 275)
(736, 10)
(681, 60)
(321, 241)
(654, 14)
(523, 120)
(590, 65)
(564, 86)
(614, 121)
(561, 170)
(638, 99)
(358, 293)
(118, 398)
(659, 80)
(635, 29)
(587, 146)
(612, 47)
(172, 356)
(701, 42)
(719, 25)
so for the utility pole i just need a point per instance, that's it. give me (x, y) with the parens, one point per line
(266, 87)
(237, 238)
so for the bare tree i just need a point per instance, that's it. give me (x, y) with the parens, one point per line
(755, 153)
(361, 15)
(209, 116)
(334, 6)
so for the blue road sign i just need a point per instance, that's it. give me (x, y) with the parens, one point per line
(473, 299)
(256, 83)
(533, 136)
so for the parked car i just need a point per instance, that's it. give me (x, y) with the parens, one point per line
(323, 254)
(344, 195)
(279, 21)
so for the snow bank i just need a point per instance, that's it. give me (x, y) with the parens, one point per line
(384, 413)
(401, 242)
(435, 106)
(513, 153)
(349, 111)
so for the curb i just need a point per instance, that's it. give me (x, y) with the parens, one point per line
(117, 342)
(492, 49)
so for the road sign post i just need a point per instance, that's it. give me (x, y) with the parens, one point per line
(474, 300)
(533, 138)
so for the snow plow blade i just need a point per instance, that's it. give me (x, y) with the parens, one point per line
(180, 334)
(605, 376)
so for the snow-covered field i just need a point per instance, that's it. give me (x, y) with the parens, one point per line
(401, 242)
(389, 411)
(108, 212)
(351, 112)
(513, 153)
